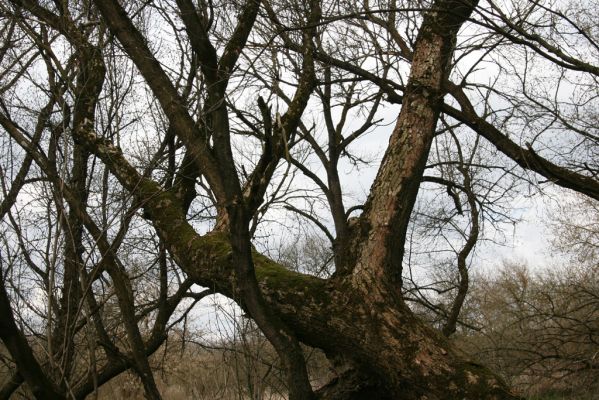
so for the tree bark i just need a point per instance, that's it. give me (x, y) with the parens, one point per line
(16, 343)
(359, 319)
(402, 355)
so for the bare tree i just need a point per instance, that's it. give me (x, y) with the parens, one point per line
(162, 133)
(539, 329)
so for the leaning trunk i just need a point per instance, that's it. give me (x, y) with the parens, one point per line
(378, 347)
(358, 317)
(382, 348)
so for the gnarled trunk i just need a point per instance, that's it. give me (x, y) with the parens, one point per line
(358, 317)
(379, 345)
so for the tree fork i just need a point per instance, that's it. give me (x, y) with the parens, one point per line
(408, 359)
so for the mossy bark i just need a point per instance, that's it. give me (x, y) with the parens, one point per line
(358, 316)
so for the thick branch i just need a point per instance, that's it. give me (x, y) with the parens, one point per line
(174, 107)
(525, 158)
(394, 191)
(21, 352)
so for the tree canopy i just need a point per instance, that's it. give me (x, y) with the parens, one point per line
(149, 146)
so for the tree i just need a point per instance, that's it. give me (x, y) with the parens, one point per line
(173, 191)
(539, 329)
(574, 222)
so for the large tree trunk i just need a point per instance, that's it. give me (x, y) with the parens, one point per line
(378, 344)
(358, 317)
(378, 347)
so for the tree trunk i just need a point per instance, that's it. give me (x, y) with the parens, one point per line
(380, 346)
(357, 317)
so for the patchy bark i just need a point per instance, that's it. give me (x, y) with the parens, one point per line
(358, 317)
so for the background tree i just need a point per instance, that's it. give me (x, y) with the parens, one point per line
(540, 330)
